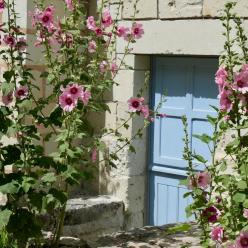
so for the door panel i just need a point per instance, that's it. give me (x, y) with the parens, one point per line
(190, 90)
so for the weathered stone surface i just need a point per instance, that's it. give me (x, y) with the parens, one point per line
(214, 8)
(150, 237)
(86, 217)
(180, 37)
(147, 9)
(172, 9)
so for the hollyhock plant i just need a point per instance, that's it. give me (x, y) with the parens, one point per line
(122, 31)
(211, 214)
(74, 90)
(242, 240)
(225, 101)
(7, 99)
(69, 4)
(137, 30)
(114, 68)
(135, 104)
(91, 24)
(217, 233)
(21, 92)
(85, 97)
(221, 78)
(67, 102)
(92, 47)
(145, 111)
(203, 179)
(9, 40)
(2, 6)
(106, 18)
(103, 66)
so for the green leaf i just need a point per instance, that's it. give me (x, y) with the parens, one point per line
(239, 197)
(9, 188)
(245, 203)
(4, 218)
(49, 178)
(204, 138)
(200, 158)
(242, 185)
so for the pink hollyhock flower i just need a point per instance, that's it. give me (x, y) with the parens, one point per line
(9, 40)
(242, 240)
(21, 92)
(241, 80)
(7, 99)
(114, 67)
(225, 101)
(50, 9)
(92, 46)
(74, 90)
(203, 179)
(22, 44)
(2, 6)
(211, 214)
(46, 19)
(94, 155)
(67, 102)
(135, 104)
(98, 32)
(85, 97)
(122, 31)
(145, 111)
(221, 78)
(245, 213)
(91, 24)
(217, 233)
(137, 30)
(69, 4)
(103, 66)
(106, 18)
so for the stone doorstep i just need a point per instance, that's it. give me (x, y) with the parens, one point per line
(92, 216)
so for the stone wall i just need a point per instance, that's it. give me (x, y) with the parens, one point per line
(172, 28)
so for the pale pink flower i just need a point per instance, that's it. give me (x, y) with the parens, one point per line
(242, 240)
(221, 78)
(103, 66)
(122, 31)
(94, 155)
(106, 18)
(73, 90)
(69, 4)
(241, 80)
(9, 40)
(85, 97)
(145, 111)
(245, 213)
(225, 101)
(35, 16)
(67, 102)
(217, 233)
(7, 99)
(91, 24)
(92, 46)
(21, 92)
(203, 179)
(137, 30)
(135, 104)
(114, 67)
(2, 6)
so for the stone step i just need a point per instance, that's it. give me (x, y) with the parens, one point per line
(89, 217)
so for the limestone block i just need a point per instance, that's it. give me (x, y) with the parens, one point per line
(171, 9)
(214, 8)
(179, 37)
(136, 62)
(89, 217)
(147, 9)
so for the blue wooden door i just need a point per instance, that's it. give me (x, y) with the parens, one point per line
(190, 90)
